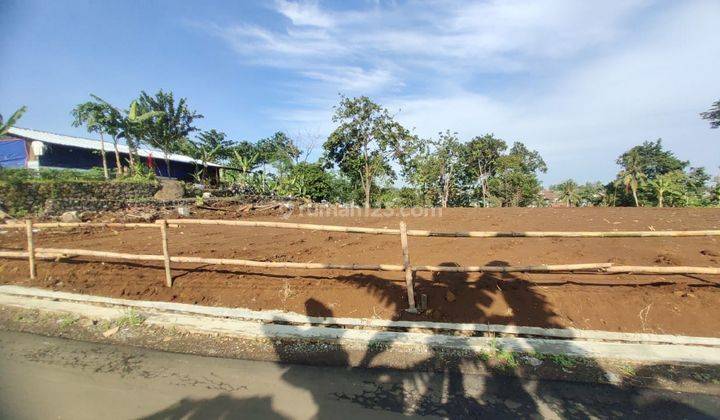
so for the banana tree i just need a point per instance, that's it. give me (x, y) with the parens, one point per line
(136, 121)
(244, 164)
(171, 125)
(666, 184)
(202, 152)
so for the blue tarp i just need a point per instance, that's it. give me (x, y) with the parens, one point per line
(12, 153)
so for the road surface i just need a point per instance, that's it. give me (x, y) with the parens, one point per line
(43, 378)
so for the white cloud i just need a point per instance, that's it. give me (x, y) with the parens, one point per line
(497, 36)
(304, 13)
(579, 81)
(353, 80)
(654, 86)
(264, 46)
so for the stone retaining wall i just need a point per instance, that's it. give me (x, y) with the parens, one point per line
(52, 198)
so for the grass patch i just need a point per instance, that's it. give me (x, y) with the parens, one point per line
(131, 319)
(67, 320)
(565, 362)
(375, 345)
(627, 370)
(506, 358)
(705, 377)
(25, 317)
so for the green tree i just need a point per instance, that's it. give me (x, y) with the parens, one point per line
(695, 187)
(365, 142)
(208, 147)
(244, 160)
(434, 167)
(568, 191)
(448, 150)
(312, 181)
(668, 183)
(135, 126)
(714, 192)
(644, 163)
(593, 194)
(418, 166)
(130, 124)
(514, 184)
(712, 115)
(93, 115)
(171, 124)
(653, 158)
(112, 124)
(278, 150)
(5, 125)
(480, 157)
(633, 175)
(216, 140)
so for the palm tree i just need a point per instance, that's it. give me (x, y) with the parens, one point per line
(633, 175)
(568, 192)
(5, 126)
(112, 124)
(130, 125)
(92, 116)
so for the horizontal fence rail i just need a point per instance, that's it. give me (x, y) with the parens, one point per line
(387, 231)
(34, 253)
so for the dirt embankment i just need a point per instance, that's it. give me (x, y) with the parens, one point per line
(631, 303)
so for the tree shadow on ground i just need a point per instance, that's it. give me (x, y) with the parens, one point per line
(221, 407)
(438, 386)
(436, 383)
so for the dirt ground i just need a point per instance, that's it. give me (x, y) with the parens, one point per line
(673, 304)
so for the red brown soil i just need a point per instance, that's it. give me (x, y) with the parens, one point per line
(674, 304)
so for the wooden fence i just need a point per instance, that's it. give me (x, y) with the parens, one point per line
(403, 232)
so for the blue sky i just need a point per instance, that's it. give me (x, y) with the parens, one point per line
(579, 81)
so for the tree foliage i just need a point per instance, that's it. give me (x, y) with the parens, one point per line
(278, 150)
(365, 142)
(93, 115)
(5, 125)
(568, 192)
(642, 165)
(712, 115)
(170, 124)
(362, 156)
(480, 157)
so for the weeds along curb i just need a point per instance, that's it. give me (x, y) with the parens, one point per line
(217, 332)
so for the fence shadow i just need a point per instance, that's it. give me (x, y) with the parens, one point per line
(437, 385)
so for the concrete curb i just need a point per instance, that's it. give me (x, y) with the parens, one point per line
(277, 316)
(347, 332)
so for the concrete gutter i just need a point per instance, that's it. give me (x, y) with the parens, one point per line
(358, 334)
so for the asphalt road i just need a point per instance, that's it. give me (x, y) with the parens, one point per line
(43, 378)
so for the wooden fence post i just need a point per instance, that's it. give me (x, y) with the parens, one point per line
(30, 247)
(408, 269)
(166, 252)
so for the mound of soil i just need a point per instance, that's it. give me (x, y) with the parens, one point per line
(631, 303)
